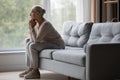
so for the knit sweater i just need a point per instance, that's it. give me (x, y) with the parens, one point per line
(46, 33)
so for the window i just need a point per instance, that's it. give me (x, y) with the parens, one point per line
(14, 15)
(61, 11)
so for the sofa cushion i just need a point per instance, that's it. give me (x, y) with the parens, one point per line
(72, 48)
(76, 34)
(46, 53)
(105, 33)
(76, 57)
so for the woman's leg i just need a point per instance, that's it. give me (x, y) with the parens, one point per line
(33, 62)
(33, 56)
(35, 49)
(27, 55)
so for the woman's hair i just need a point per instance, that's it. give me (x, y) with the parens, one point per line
(38, 9)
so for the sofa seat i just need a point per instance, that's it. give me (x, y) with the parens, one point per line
(47, 53)
(91, 52)
(73, 48)
(65, 55)
(76, 57)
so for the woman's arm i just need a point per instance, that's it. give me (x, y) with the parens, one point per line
(32, 24)
(44, 30)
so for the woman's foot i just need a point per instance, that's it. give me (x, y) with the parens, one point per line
(34, 74)
(25, 72)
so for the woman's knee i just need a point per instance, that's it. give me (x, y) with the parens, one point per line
(37, 46)
(28, 44)
(32, 45)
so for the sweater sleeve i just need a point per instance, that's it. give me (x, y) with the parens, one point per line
(32, 34)
(44, 30)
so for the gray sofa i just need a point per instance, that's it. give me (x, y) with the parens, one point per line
(92, 51)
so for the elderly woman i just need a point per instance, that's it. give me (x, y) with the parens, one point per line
(43, 36)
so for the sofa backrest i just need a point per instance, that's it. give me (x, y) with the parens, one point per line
(105, 33)
(76, 34)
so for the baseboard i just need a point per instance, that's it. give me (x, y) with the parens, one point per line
(12, 61)
(12, 67)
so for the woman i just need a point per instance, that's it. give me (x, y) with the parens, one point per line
(43, 36)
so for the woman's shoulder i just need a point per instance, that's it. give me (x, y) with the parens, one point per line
(47, 23)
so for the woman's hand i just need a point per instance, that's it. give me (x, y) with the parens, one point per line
(32, 23)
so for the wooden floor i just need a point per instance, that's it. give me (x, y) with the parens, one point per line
(45, 75)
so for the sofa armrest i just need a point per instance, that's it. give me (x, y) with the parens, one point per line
(102, 61)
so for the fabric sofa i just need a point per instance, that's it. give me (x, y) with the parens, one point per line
(92, 51)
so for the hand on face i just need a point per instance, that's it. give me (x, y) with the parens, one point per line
(35, 17)
(32, 23)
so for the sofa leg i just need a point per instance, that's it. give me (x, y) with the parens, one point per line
(70, 78)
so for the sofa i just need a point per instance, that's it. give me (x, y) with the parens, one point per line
(92, 51)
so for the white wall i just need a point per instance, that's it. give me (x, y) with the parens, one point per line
(87, 10)
(83, 10)
(12, 61)
(79, 11)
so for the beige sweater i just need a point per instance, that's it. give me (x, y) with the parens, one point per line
(46, 33)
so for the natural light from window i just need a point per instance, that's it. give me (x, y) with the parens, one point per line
(14, 16)
(61, 11)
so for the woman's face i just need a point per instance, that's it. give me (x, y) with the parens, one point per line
(34, 14)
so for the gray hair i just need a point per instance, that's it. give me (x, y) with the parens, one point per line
(39, 9)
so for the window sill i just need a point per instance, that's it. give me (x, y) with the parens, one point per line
(13, 51)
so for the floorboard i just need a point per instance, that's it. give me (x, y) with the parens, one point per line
(45, 75)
